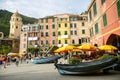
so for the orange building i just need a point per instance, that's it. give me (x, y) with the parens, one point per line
(48, 31)
(104, 22)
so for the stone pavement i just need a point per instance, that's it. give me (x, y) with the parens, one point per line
(47, 72)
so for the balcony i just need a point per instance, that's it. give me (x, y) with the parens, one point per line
(64, 36)
(32, 38)
(59, 45)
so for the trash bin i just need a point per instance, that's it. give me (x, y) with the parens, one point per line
(0, 62)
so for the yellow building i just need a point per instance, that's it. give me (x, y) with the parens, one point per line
(63, 29)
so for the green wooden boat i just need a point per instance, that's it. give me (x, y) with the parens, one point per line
(86, 67)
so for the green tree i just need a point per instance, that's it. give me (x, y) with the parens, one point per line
(5, 49)
(33, 50)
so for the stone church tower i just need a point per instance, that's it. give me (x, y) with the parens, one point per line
(15, 26)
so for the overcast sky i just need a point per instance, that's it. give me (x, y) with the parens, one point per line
(42, 8)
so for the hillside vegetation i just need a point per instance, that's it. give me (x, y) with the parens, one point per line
(5, 18)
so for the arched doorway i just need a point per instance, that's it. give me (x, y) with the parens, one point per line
(114, 40)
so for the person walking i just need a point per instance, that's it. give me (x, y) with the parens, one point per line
(5, 61)
(17, 61)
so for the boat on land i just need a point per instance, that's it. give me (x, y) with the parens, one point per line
(47, 59)
(87, 67)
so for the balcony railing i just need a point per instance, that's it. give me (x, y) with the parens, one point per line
(64, 36)
(32, 38)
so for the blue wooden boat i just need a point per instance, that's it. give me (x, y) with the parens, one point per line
(86, 67)
(46, 60)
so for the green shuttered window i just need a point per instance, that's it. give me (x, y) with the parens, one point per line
(90, 15)
(118, 8)
(96, 28)
(95, 9)
(105, 20)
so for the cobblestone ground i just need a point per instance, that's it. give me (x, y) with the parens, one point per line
(47, 72)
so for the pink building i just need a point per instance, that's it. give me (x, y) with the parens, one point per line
(104, 22)
(48, 31)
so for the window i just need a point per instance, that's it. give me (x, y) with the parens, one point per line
(59, 41)
(83, 31)
(16, 27)
(59, 33)
(65, 33)
(71, 32)
(53, 26)
(53, 42)
(75, 25)
(118, 8)
(36, 42)
(46, 20)
(30, 43)
(66, 42)
(65, 24)
(75, 32)
(95, 9)
(29, 35)
(41, 42)
(105, 20)
(42, 34)
(41, 27)
(90, 16)
(35, 34)
(46, 34)
(83, 24)
(96, 28)
(59, 25)
(102, 1)
(24, 35)
(84, 39)
(73, 41)
(71, 25)
(91, 32)
(17, 19)
(53, 34)
(46, 42)
(41, 20)
(53, 20)
(46, 26)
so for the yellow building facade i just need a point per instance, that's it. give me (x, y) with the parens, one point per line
(63, 30)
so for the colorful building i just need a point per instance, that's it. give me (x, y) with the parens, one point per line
(63, 29)
(29, 37)
(104, 22)
(48, 31)
(79, 32)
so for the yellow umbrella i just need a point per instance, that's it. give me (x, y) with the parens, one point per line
(70, 47)
(13, 54)
(76, 50)
(107, 47)
(87, 47)
(22, 54)
(65, 49)
(61, 49)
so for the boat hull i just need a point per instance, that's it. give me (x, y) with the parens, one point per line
(86, 67)
(46, 60)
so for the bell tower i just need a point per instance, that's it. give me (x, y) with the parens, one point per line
(15, 26)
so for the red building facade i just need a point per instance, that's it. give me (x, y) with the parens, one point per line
(104, 22)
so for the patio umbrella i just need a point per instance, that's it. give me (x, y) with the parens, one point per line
(13, 54)
(70, 47)
(87, 47)
(61, 49)
(107, 47)
(65, 49)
